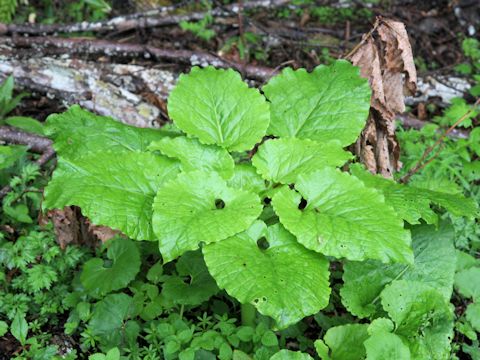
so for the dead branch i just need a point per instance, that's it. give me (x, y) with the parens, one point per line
(35, 143)
(149, 19)
(410, 122)
(110, 48)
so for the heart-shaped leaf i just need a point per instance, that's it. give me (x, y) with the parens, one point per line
(199, 207)
(335, 214)
(269, 269)
(331, 102)
(125, 264)
(217, 107)
(115, 190)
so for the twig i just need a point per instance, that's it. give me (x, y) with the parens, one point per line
(149, 19)
(35, 143)
(409, 122)
(110, 48)
(421, 163)
(364, 38)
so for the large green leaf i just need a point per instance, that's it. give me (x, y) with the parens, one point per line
(422, 318)
(284, 280)
(413, 204)
(199, 207)
(115, 190)
(109, 322)
(125, 264)
(78, 131)
(304, 156)
(193, 284)
(342, 218)
(434, 265)
(332, 102)
(219, 108)
(194, 155)
(343, 342)
(110, 313)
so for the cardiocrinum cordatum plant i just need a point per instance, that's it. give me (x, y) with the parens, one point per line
(253, 181)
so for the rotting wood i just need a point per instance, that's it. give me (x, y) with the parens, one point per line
(110, 48)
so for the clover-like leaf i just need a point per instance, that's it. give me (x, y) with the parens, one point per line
(125, 264)
(79, 131)
(273, 272)
(344, 342)
(413, 204)
(304, 156)
(335, 214)
(193, 285)
(331, 102)
(434, 265)
(217, 107)
(422, 317)
(199, 207)
(114, 190)
(194, 155)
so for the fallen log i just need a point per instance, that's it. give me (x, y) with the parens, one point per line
(110, 48)
(108, 89)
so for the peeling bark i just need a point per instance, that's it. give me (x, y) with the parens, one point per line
(109, 89)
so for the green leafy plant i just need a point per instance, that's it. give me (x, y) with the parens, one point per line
(249, 195)
(8, 102)
(7, 10)
(201, 28)
(471, 50)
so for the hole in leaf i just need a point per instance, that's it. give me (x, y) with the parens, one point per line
(303, 204)
(264, 298)
(262, 243)
(255, 301)
(187, 279)
(267, 200)
(244, 264)
(219, 203)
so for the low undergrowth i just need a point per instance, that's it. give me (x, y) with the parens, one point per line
(244, 230)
